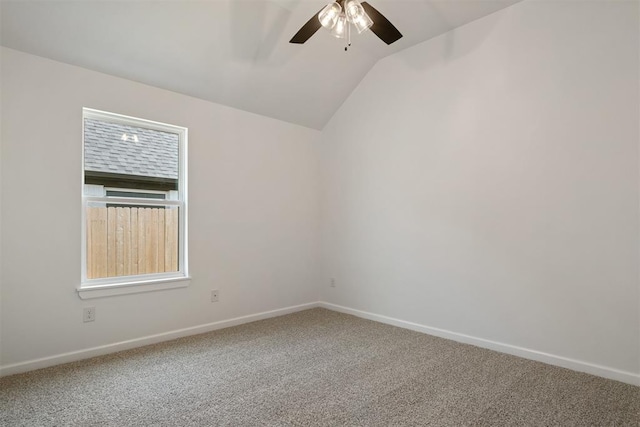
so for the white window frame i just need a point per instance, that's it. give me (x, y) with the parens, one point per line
(93, 288)
(135, 190)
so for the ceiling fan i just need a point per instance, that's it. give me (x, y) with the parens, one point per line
(338, 17)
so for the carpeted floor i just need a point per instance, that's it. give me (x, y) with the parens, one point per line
(316, 367)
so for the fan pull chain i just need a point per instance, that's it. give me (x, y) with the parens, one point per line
(348, 37)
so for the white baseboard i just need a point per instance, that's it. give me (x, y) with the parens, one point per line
(576, 365)
(73, 356)
(564, 362)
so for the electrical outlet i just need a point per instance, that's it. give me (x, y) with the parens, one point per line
(89, 314)
(215, 295)
(332, 283)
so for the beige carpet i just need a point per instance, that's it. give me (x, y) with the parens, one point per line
(315, 367)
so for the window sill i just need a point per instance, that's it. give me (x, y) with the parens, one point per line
(99, 291)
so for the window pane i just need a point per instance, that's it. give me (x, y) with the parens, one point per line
(126, 241)
(131, 157)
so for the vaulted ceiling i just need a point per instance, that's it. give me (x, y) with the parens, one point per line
(232, 52)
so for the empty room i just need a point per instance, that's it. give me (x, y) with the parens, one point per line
(319, 213)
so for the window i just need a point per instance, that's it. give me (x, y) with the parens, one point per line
(134, 205)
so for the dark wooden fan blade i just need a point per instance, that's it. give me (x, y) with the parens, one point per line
(381, 26)
(307, 30)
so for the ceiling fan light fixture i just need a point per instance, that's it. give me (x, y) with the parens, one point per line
(339, 15)
(363, 22)
(328, 16)
(353, 9)
(340, 29)
(357, 16)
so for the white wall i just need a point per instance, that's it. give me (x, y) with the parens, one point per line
(485, 182)
(253, 212)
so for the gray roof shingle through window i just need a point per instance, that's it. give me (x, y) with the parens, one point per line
(155, 154)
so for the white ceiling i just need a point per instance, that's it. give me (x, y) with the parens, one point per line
(232, 52)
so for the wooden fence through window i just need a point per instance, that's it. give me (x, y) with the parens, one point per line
(123, 241)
